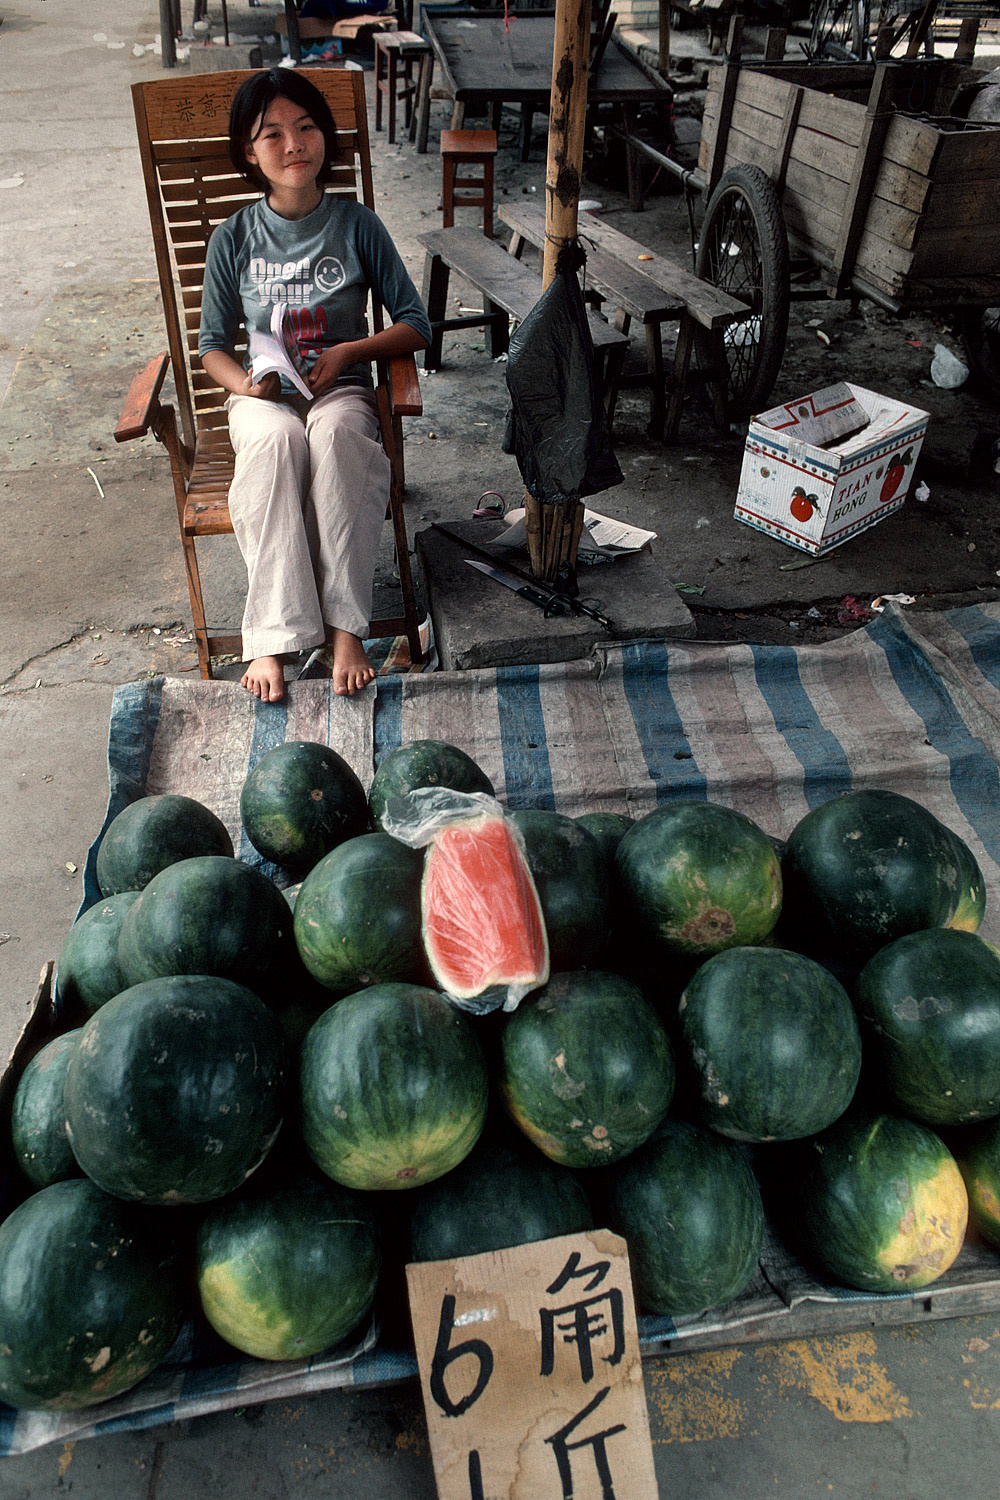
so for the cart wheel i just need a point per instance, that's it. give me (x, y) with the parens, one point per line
(981, 336)
(744, 251)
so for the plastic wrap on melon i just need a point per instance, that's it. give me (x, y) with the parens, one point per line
(481, 919)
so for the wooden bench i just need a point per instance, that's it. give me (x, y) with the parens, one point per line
(509, 289)
(653, 289)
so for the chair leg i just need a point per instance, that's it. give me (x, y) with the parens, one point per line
(401, 542)
(197, 606)
(167, 434)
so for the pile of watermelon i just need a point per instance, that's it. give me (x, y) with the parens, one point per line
(456, 1028)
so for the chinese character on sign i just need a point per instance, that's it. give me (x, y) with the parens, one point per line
(530, 1367)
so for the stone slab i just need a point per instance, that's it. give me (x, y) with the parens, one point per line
(479, 623)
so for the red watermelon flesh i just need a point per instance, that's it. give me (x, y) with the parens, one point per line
(483, 929)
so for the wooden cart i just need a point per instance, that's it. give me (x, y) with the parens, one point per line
(870, 173)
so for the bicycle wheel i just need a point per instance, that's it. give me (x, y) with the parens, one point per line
(840, 30)
(981, 336)
(744, 251)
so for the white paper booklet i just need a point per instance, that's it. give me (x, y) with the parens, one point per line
(602, 537)
(277, 351)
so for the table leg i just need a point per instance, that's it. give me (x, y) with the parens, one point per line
(497, 328)
(526, 116)
(421, 120)
(657, 376)
(294, 39)
(393, 72)
(682, 359)
(435, 299)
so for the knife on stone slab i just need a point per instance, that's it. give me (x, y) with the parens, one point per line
(553, 601)
(552, 604)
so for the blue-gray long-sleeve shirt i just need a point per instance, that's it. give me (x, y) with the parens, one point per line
(322, 266)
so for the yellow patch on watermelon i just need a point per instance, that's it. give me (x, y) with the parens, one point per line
(248, 1325)
(987, 1204)
(931, 1229)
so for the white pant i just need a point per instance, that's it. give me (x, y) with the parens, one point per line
(307, 502)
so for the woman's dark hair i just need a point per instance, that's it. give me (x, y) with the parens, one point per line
(254, 95)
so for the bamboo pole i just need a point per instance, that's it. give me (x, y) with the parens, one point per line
(554, 530)
(663, 48)
(567, 120)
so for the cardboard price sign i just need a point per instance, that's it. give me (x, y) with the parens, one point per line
(531, 1374)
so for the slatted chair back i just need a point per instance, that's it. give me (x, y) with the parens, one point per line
(191, 186)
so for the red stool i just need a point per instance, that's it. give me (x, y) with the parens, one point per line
(461, 149)
(395, 54)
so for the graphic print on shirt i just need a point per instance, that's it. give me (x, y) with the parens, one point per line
(295, 283)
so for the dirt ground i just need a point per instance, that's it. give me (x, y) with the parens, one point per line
(743, 585)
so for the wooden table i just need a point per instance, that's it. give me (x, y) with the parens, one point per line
(482, 61)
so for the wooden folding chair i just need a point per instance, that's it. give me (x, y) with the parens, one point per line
(191, 186)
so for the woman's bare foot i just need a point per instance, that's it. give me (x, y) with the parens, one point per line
(265, 678)
(351, 668)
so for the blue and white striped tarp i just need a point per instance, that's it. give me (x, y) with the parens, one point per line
(911, 703)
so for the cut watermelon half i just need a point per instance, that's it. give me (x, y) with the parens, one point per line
(483, 929)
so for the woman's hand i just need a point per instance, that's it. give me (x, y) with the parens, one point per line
(223, 366)
(267, 389)
(328, 368)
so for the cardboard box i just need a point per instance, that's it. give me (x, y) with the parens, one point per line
(825, 467)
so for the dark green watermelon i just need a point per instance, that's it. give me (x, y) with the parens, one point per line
(698, 878)
(300, 801)
(930, 1008)
(971, 904)
(867, 868)
(393, 1088)
(357, 915)
(688, 1205)
(587, 1070)
(979, 1157)
(571, 876)
(497, 1197)
(152, 833)
(37, 1117)
(421, 763)
(772, 1039)
(208, 915)
(176, 1089)
(88, 971)
(91, 1297)
(608, 829)
(287, 1268)
(877, 1202)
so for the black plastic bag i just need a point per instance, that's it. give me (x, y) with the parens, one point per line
(557, 427)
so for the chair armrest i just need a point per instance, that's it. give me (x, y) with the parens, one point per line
(143, 400)
(405, 399)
